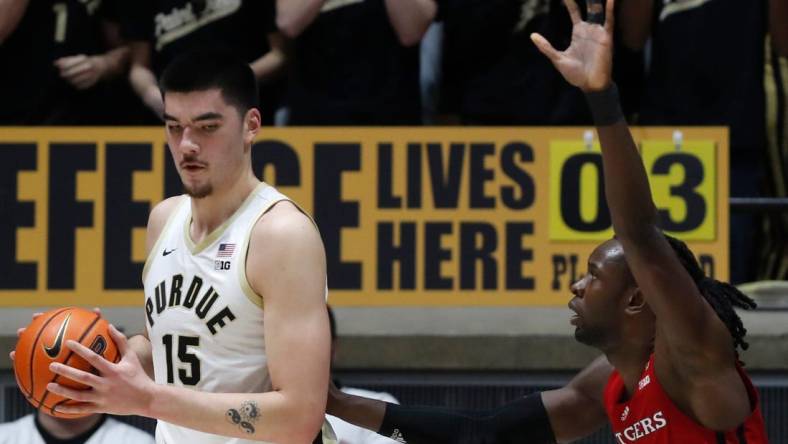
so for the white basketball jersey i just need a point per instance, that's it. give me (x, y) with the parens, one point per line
(205, 322)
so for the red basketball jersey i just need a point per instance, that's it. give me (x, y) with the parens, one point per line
(650, 417)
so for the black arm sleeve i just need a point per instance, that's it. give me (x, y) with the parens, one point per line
(524, 420)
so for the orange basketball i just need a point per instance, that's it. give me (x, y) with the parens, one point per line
(44, 342)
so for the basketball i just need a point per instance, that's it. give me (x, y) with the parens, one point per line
(44, 342)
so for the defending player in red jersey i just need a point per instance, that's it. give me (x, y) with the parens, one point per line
(669, 332)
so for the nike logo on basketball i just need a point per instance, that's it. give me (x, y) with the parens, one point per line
(54, 350)
(165, 252)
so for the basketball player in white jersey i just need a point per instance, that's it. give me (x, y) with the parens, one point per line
(235, 286)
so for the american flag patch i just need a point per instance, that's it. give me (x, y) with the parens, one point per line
(226, 250)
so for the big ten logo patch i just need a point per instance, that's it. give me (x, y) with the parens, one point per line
(221, 265)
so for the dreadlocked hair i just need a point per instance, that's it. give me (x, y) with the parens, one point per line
(722, 297)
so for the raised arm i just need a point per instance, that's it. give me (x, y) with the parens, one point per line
(587, 64)
(293, 16)
(694, 350)
(560, 415)
(411, 18)
(13, 11)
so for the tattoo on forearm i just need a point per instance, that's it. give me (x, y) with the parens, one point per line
(244, 417)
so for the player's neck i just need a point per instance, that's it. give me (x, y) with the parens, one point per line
(630, 361)
(209, 212)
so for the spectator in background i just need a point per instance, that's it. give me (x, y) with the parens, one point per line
(355, 62)
(774, 255)
(159, 30)
(39, 428)
(494, 75)
(348, 433)
(702, 73)
(57, 59)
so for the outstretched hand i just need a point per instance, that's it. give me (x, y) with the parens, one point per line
(587, 62)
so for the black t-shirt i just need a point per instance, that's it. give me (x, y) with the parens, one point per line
(176, 26)
(31, 89)
(707, 69)
(493, 73)
(82, 438)
(350, 69)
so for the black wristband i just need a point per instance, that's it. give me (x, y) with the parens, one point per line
(524, 420)
(605, 106)
(422, 425)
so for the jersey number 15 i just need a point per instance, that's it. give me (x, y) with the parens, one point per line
(192, 375)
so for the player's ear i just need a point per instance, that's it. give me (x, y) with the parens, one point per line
(252, 122)
(636, 302)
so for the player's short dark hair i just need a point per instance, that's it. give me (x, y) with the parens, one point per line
(722, 297)
(210, 68)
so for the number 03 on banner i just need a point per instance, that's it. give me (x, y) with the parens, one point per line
(683, 182)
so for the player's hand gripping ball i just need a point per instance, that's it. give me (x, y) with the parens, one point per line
(44, 342)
